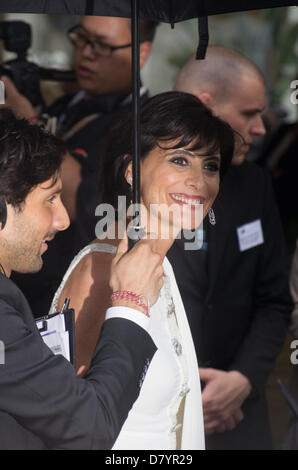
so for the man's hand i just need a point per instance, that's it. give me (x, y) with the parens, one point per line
(139, 270)
(19, 104)
(223, 396)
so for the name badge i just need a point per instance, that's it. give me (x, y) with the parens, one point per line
(250, 235)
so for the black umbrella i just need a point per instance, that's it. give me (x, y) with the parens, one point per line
(169, 11)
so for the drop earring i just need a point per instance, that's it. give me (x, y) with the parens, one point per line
(129, 180)
(211, 216)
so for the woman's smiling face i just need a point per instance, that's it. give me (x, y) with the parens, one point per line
(182, 180)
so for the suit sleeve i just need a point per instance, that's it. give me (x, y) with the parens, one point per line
(294, 292)
(43, 394)
(272, 304)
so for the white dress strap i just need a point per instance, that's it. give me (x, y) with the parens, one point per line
(93, 247)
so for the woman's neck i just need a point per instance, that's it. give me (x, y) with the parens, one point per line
(163, 238)
(162, 246)
(162, 231)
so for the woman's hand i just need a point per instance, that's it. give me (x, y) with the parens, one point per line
(139, 270)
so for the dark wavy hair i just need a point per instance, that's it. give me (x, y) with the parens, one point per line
(28, 156)
(172, 116)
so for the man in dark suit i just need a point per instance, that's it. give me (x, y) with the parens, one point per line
(235, 288)
(43, 405)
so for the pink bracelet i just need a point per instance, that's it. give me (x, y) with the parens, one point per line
(131, 297)
(32, 119)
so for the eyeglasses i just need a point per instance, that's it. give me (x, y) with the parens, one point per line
(79, 38)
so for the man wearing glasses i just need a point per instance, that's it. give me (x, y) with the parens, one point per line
(102, 54)
(102, 62)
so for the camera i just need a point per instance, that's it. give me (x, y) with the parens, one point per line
(26, 75)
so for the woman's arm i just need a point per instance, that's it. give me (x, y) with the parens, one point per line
(90, 296)
(89, 291)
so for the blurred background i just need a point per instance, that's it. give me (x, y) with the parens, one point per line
(269, 37)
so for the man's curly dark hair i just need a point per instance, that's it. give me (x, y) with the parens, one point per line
(28, 156)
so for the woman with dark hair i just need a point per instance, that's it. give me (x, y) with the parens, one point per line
(184, 150)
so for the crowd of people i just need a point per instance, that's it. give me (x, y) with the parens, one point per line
(174, 346)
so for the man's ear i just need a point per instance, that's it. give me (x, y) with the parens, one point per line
(207, 99)
(145, 50)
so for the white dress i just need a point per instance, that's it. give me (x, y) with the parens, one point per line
(173, 375)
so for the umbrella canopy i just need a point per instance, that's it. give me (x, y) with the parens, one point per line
(168, 11)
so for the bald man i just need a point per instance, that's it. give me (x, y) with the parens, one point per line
(235, 288)
(233, 87)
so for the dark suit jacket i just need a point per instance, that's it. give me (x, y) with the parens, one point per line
(43, 405)
(240, 320)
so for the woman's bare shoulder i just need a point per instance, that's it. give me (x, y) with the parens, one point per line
(91, 275)
(95, 265)
(98, 260)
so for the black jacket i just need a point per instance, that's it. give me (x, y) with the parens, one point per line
(43, 405)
